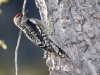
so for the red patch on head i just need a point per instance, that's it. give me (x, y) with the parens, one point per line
(17, 15)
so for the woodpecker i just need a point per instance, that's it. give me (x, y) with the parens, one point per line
(39, 33)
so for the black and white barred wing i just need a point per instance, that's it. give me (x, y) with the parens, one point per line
(41, 35)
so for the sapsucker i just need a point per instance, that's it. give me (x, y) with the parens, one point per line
(39, 33)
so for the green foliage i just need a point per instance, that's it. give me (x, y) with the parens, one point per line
(3, 45)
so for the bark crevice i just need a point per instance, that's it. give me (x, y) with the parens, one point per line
(76, 29)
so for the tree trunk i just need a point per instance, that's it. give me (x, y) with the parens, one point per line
(76, 27)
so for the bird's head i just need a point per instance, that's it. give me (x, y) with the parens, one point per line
(17, 19)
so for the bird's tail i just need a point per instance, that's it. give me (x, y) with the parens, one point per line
(50, 45)
(57, 49)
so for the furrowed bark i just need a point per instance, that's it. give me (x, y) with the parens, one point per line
(76, 29)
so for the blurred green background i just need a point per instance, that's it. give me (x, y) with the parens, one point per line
(30, 57)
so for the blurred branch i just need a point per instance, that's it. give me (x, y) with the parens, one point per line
(23, 9)
(16, 53)
(18, 42)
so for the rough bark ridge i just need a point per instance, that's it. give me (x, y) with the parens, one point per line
(76, 26)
